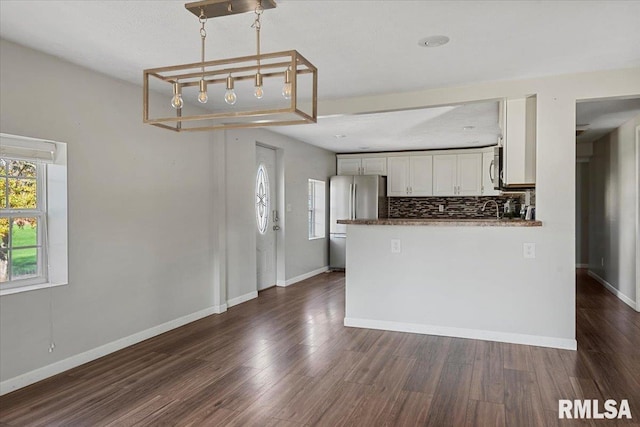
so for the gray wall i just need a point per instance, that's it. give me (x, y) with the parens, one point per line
(297, 162)
(582, 213)
(139, 212)
(612, 209)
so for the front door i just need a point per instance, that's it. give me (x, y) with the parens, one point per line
(266, 219)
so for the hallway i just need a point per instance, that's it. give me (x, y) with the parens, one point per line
(286, 359)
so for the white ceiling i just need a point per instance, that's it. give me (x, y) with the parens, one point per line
(360, 47)
(599, 117)
(438, 127)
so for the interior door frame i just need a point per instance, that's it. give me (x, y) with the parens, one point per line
(276, 183)
(638, 218)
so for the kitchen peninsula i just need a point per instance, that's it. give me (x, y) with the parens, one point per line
(448, 277)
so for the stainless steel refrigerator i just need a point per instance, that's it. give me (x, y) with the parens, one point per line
(353, 197)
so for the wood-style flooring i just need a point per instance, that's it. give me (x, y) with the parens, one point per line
(285, 359)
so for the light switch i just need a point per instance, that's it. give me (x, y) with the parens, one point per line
(289, 207)
(395, 246)
(529, 250)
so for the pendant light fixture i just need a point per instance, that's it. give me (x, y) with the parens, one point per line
(295, 103)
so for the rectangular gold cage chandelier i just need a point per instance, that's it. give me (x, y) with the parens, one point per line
(272, 89)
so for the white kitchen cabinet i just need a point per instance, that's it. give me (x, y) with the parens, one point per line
(374, 166)
(410, 176)
(488, 171)
(362, 165)
(469, 174)
(444, 175)
(518, 118)
(349, 166)
(457, 174)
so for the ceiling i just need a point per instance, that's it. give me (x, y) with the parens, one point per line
(459, 126)
(599, 117)
(359, 47)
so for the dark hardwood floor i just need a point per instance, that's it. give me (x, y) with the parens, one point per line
(285, 359)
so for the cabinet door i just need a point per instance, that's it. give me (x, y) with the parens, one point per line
(349, 166)
(397, 176)
(374, 166)
(420, 176)
(520, 141)
(444, 174)
(469, 174)
(488, 172)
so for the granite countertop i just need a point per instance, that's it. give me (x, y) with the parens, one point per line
(445, 222)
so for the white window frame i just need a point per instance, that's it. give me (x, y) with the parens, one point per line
(40, 212)
(317, 221)
(51, 160)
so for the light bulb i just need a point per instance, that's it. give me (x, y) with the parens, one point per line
(176, 101)
(230, 97)
(286, 91)
(258, 92)
(202, 95)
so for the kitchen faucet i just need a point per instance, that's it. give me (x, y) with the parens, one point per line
(497, 207)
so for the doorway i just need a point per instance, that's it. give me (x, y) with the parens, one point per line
(266, 217)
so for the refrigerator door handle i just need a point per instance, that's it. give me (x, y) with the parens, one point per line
(355, 200)
(350, 201)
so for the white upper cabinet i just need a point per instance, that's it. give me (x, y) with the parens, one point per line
(444, 175)
(469, 178)
(362, 165)
(374, 166)
(349, 166)
(421, 176)
(488, 174)
(398, 176)
(410, 176)
(457, 174)
(518, 120)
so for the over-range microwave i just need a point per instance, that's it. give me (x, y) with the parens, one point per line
(496, 172)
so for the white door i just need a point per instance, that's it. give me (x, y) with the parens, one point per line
(265, 206)
(444, 175)
(374, 166)
(398, 176)
(470, 174)
(349, 166)
(421, 176)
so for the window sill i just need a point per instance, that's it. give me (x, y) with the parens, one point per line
(316, 238)
(28, 288)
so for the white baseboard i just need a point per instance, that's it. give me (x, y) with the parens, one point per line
(242, 298)
(582, 265)
(477, 334)
(79, 359)
(302, 277)
(608, 286)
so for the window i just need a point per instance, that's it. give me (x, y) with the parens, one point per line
(262, 199)
(33, 214)
(316, 209)
(22, 221)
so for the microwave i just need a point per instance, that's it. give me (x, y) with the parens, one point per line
(495, 170)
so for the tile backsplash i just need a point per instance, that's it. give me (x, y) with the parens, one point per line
(454, 207)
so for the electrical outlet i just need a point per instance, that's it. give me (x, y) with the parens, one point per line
(441, 208)
(529, 250)
(395, 246)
